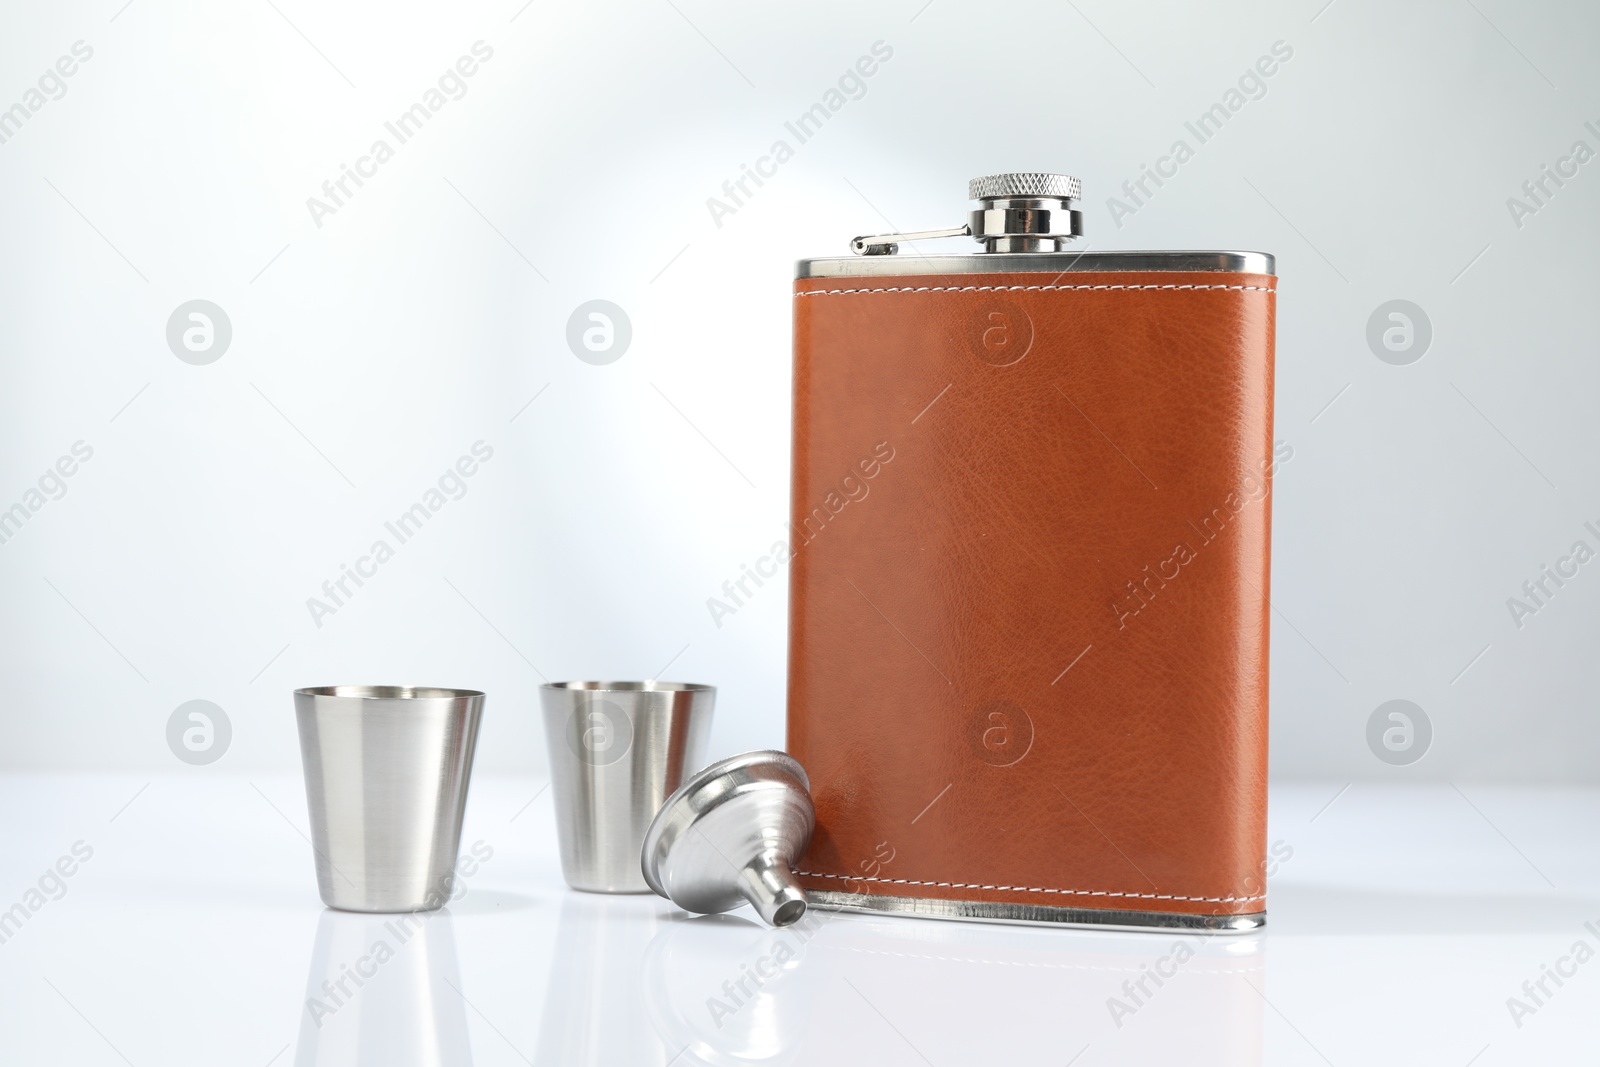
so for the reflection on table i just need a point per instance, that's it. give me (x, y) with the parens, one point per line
(384, 990)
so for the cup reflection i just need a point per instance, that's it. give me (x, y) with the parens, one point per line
(593, 1008)
(380, 993)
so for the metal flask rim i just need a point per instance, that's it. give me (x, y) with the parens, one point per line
(389, 693)
(645, 686)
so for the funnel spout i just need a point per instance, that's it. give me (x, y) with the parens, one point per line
(770, 887)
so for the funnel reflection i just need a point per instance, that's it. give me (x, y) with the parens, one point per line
(728, 991)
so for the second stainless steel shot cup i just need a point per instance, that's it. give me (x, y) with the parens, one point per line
(386, 783)
(617, 750)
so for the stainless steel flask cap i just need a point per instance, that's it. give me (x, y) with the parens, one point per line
(729, 836)
(1019, 211)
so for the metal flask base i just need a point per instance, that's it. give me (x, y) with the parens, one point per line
(729, 835)
(1036, 914)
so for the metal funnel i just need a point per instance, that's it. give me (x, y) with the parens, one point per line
(729, 836)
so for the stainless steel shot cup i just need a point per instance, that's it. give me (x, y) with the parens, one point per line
(386, 772)
(617, 750)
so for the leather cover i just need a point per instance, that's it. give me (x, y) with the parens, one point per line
(1028, 601)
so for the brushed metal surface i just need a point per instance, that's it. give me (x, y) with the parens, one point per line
(617, 749)
(386, 773)
(729, 836)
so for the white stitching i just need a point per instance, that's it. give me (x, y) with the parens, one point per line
(1025, 288)
(1031, 889)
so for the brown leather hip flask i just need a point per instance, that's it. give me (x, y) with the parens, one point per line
(1030, 521)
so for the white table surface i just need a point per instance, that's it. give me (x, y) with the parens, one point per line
(1398, 929)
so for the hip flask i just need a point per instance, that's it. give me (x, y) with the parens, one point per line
(1030, 519)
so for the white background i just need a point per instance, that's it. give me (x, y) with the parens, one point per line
(430, 311)
(369, 353)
